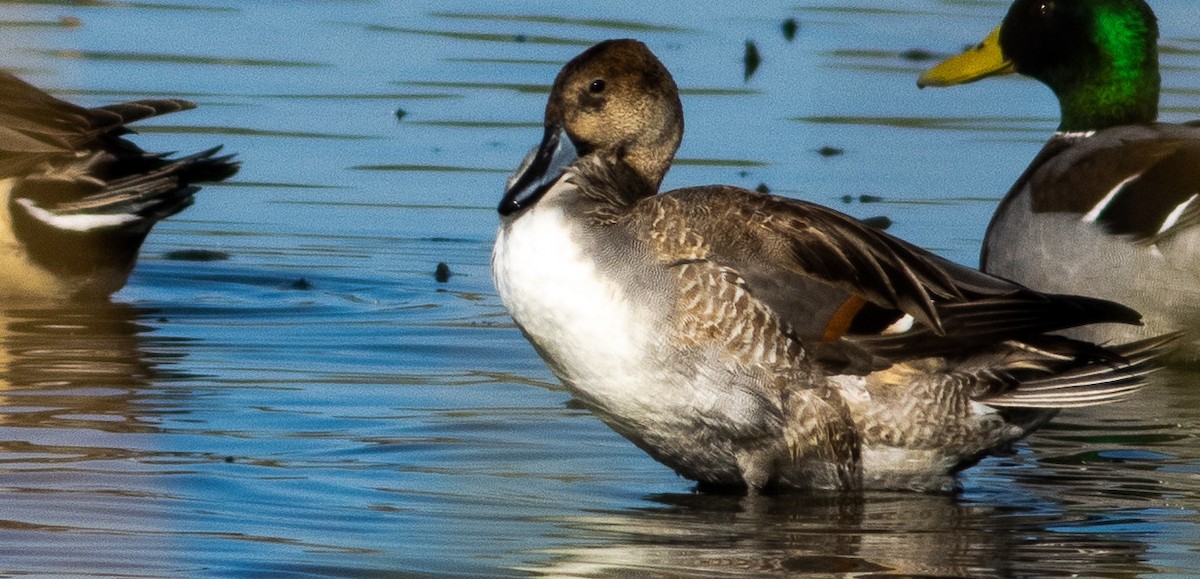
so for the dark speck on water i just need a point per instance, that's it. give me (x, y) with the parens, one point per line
(442, 272)
(828, 151)
(789, 27)
(861, 198)
(881, 222)
(918, 55)
(196, 255)
(762, 188)
(301, 284)
(400, 114)
(751, 59)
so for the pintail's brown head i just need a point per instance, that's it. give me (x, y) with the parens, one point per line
(615, 101)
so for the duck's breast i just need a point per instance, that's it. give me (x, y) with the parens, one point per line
(581, 318)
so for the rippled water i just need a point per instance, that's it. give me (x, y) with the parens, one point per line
(319, 404)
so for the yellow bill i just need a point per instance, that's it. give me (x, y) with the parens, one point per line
(980, 61)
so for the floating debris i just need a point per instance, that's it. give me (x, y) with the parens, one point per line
(789, 27)
(751, 59)
(861, 198)
(442, 272)
(196, 255)
(917, 55)
(400, 114)
(762, 188)
(881, 222)
(301, 284)
(828, 151)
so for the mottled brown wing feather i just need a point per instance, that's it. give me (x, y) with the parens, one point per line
(29, 112)
(35, 126)
(788, 239)
(807, 262)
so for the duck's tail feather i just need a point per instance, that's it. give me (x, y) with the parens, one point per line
(136, 201)
(1092, 380)
(118, 115)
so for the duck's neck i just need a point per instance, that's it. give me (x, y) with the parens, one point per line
(1120, 83)
(608, 188)
(1127, 97)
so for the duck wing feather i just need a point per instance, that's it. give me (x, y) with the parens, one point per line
(855, 296)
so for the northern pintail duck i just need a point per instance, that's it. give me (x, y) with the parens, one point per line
(1109, 207)
(757, 342)
(77, 198)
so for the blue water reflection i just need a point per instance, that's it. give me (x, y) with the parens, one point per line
(319, 404)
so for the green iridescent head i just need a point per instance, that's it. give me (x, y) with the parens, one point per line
(1100, 57)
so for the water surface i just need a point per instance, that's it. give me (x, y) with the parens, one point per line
(285, 388)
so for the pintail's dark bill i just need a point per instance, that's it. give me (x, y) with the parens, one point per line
(538, 172)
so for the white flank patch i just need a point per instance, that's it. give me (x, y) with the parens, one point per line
(584, 324)
(78, 222)
(899, 326)
(1091, 216)
(1173, 217)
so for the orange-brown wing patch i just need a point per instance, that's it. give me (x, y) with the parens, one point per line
(841, 320)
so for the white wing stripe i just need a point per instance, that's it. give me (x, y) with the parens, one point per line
(1091, 216)
(1176, 213)
(77, 222)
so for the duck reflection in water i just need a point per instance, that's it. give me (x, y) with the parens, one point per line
(756, 342)
(83, 438)
(76, 368)
(831, 534)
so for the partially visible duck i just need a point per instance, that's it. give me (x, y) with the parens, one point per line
(1111, 206)
(756, 342)
(77, 198)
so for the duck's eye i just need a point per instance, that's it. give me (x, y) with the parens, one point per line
(597, 86)
(1044, 9)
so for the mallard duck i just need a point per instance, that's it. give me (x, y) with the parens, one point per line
(77, 198)
(756, 342)
(1109, 207)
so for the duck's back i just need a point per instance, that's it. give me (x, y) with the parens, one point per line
(1113, 214)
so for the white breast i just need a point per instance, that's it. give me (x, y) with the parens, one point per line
(584, 324)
